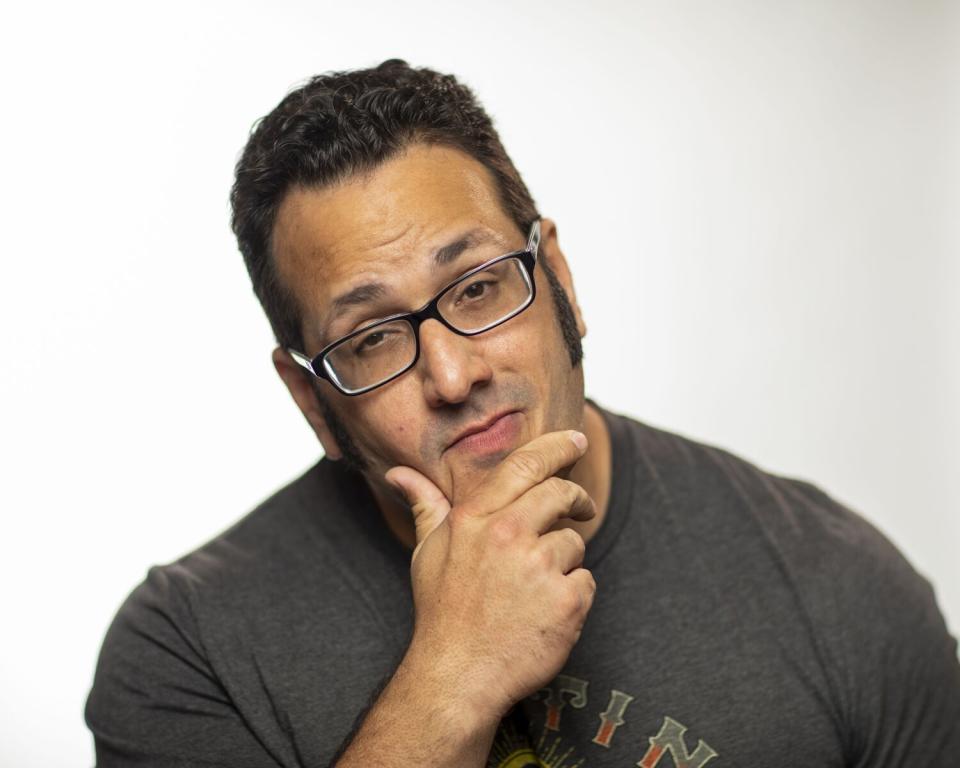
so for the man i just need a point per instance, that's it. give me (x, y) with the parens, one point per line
(486, 568)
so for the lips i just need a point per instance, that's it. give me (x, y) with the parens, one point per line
(478, 427)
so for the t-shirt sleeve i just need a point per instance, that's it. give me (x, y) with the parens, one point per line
(894, 662)
(155, 701)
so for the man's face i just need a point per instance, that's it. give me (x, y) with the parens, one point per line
(376, 237)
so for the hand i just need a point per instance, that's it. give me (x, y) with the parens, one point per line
(500, 601)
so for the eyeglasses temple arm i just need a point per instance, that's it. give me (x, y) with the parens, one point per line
(533, 242)
(302, 359)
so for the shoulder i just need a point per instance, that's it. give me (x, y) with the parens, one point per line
(785, 536)
(180, 646)
(244, 571)
(729, 496)
(275, 534)
(164, 683)
(828, 579)
(288, 533)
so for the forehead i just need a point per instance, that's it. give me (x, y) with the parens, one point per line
(381, 225)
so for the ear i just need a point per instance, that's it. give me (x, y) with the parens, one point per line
(550, 250)
(304, 395)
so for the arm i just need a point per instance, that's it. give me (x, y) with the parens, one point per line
(155, 700)
(499, 605)
(416, 721)
(894, 662)
(907, 702)
(500, 602)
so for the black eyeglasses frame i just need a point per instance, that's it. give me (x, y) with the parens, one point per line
(430, 311)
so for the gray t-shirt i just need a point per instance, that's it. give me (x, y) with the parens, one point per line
(741, 619)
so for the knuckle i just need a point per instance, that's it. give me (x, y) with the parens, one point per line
(457, 517)
(543, 558)
(504, 530)
(587, 604)
(527, 465)
(591, 582)
(577, 540)
(571, 603)
(562, 489)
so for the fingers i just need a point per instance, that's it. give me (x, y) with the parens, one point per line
(565, 548)
(583, 580)
(530, 465)
(427, 502)
(544, 504)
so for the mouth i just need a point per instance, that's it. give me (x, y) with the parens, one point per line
(489, 436)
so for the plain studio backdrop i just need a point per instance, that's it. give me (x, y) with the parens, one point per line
(759, 202)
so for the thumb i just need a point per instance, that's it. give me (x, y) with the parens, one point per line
(427, 502)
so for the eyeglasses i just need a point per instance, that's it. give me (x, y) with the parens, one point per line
(475, 302)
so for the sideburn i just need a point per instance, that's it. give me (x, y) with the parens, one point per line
(565, 316)
(352, 458)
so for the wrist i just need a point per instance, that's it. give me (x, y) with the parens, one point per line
(422, 717)
(451, 684)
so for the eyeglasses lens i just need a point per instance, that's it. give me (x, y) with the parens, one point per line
(474, 304)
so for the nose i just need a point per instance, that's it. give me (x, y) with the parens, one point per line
(450, 365)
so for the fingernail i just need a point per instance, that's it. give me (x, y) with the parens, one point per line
(579, 440)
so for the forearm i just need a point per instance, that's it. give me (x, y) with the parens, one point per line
(421, 718)
(479, 572)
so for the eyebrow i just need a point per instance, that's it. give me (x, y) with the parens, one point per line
(452, 251)
(364, 294)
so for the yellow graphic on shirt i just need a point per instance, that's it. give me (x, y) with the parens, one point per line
(522, 758)
(512, 749)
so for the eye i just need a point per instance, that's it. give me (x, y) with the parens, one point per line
(369, 342)
(476, 290)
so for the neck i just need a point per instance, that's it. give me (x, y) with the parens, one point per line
(592, 473)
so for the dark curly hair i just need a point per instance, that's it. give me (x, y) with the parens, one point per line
(342, 123)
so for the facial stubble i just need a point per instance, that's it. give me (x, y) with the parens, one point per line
(351, 455)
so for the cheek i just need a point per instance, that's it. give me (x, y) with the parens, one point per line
(389, 422)
(536, 343)
(527, 340)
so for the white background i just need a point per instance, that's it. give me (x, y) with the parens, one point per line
(759, 201)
